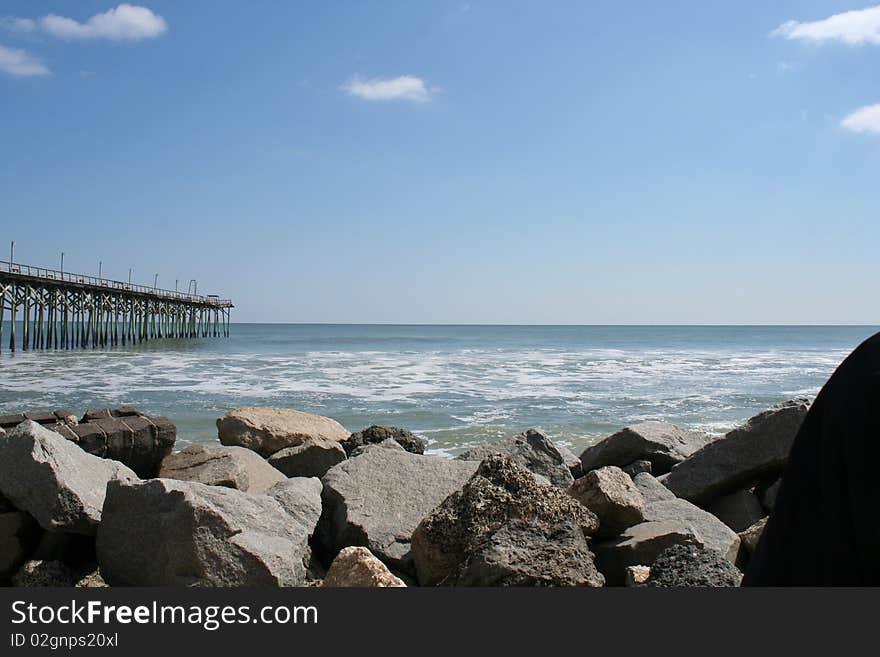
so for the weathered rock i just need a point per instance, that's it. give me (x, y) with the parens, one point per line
(739, 510)
(639, 545)
(57, 483)
(378, 499)
(376, 434)
(499, 492)
(636, 575)
(661, 443)
(35, 574)
(752, 535)
(692, 565)
(767, 494)
(754, 451)
(165, 532)
(390, 443)
(637, 467)
(300, 497)
(220, 465)
(572, 461)
(19, 534)
(612, 496)
(124, 435)
(531, 553)
(651, 489)
(706, 529)
(268, 430)
(357, 567)
(92, 580)
(532, 450)
(310, 459)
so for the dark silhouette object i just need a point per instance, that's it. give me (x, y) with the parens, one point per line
(825, 526)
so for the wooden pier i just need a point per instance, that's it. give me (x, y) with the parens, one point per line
(60, 310)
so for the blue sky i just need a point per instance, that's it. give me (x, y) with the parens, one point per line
(479, 162)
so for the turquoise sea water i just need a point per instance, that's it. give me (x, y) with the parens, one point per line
(454, 385)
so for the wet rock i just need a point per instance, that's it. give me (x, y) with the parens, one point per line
(739, 510)
(377, 434)
(531, 553)
(53, 480)
(661, 443)
(692, 565)
(357, 567)
(744, 456)
(532, 450)
(165, 532)
(219, 465)
(612, 496)
(378, 499)
(310, 459)
(651, 489)
(35, 574)
(499, 492)
(268, 430)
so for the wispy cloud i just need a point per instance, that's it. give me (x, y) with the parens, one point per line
(864, 120)
(857, 28)
(404, 87)
(20, 64)
(122, 23)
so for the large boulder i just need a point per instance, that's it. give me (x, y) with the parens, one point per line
(165, 532)
(706, 529)
(757, 450)
(639, 545)
(55, 481)
(661, 443)
(268, 430)
(612, 496)
(357, 567)
(531, 449)
(691, 566)
(219, 465)
(124, 434)
(739, 510)
(310, 459)
(300, 497)
(498, 493)
(378, 499)
(377, 434)
(531, 553)
(651, 489)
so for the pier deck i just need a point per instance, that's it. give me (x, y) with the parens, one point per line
(62, 310)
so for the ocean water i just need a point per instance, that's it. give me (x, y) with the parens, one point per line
(456, 386)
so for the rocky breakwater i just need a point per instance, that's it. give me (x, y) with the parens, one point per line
(288, 499)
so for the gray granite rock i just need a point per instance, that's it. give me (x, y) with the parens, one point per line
(612, 496)
(532, 450)
(651, 489)
(310, 459)
(219, 465)
(738, 510)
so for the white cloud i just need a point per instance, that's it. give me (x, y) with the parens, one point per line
(857, 28)
(404, 87)
(864, 120)
(19, 63)
(124, 23)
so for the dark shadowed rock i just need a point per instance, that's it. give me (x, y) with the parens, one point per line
(53, 480)
(141, 442)
(572, 461)
(532, 450)
(310, 459)
(706, 529)
(19, 534)
(499, 492)
(639, 545)
(739, 510)
(651, 489)
(38, 574)
(219, 465)
(754, 451)
(637, 467)
(165, 532)
(378, 499)
(692, 565)
(531, 553)
(612, 496)
(767, 494)
(661, 443)
(376, 434)
(268, 430)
